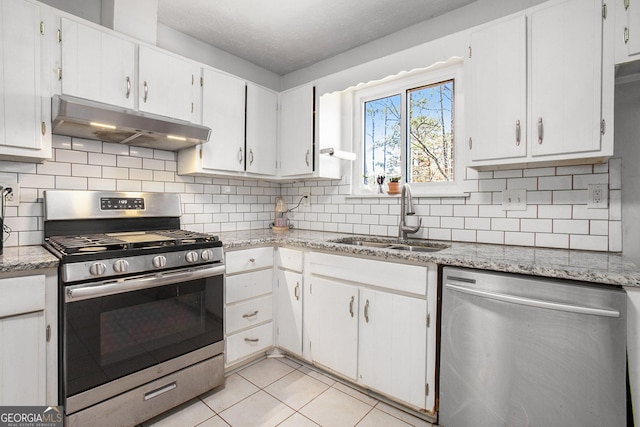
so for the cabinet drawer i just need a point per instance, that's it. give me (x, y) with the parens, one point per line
(249, 313)
(249, 259)
(248, 285)
(289, 259)
(21, 295)
(388, 275)
(246, 343)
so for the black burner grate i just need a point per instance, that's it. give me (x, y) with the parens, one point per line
(90, 243)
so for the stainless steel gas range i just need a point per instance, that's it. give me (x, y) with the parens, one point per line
(141, 305)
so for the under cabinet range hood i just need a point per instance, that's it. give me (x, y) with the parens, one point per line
(82, 118)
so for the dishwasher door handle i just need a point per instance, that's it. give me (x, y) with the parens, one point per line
(535, 302)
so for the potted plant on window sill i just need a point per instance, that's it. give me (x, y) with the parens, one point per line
(394, 185)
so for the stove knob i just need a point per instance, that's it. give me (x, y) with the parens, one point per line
(98, 269)
(207, 255)
(159, 261)
(191, 256)
(121, 266)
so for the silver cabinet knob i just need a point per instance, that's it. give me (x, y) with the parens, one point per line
(191, 256)
(97, 269)
(121, 266)
(159, 261)
(207, 255)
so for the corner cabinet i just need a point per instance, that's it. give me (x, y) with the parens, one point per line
(373, 322)
(627, 32)
(25, 105)
(243, 121)
(554, 61)
(28, 343)
(308, 123)
(289, 290)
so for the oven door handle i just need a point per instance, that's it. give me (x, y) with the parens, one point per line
(101, 289)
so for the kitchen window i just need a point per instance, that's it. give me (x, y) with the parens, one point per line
(408, 128)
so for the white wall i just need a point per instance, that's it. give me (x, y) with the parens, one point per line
(477, 13)
(627, 147)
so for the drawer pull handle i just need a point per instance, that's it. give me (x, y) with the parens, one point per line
(252, 260)
(159, 391)
(251, 339)
(246, 316)
(296, 291)
(351, 306)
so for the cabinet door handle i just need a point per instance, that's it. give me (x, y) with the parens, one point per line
(517, 133)
(306, 157)
(540, 130)
(351, 306)
(128, 88)
(240, 155)
(296, 291)
(251, 339)
(626, 35)
(246, 316)
(366, 311)
(251, 156)
(252, 260)
(146, 92)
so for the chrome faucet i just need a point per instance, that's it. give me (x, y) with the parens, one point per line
(406, 208)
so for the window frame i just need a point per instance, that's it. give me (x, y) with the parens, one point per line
(400, 84)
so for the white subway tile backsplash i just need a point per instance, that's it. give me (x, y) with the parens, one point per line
(573, 226)
(555, 216)
(548, 240)
(589, 243)
(519, 239)
(555, 182)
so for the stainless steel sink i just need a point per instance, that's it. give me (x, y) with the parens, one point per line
(411, 247)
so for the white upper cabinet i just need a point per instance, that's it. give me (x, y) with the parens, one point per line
(567, 75)
(223, 102)
(297, 110)
(97, 65)
(566, 78)
(166, 83)
(627, 33)
(261, 137)
(243, 121)
(25, 107)
(499, 90)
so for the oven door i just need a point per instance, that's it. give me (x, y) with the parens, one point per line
(119, 334)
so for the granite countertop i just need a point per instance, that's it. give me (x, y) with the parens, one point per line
(24, 258)
(597, 267)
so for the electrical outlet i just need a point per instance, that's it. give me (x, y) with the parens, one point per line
(514, 200)
(13, 198)
(598, 196)
(306, 191)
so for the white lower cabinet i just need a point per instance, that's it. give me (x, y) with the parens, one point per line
(289, 290)
(28, 357)
(370, 321)
(248, 309)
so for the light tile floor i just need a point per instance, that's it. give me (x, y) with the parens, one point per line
(281, 392)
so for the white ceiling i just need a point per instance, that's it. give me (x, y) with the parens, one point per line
(286, 35)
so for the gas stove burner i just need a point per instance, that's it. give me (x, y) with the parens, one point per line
(69, 245)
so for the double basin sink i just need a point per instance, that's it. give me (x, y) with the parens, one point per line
(389, 244)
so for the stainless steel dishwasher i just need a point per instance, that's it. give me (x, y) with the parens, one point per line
(524, 351)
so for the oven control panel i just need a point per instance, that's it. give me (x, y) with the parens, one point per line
(121, 203)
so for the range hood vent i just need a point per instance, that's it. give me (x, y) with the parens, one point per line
(82, 118)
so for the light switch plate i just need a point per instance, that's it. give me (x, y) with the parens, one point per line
(514, 200)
